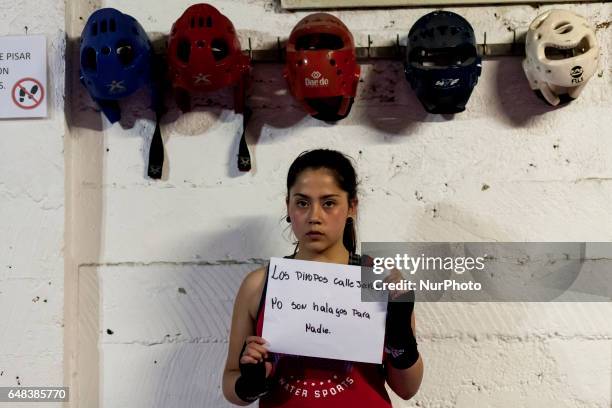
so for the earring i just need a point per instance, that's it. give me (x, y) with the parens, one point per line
(349, 220)
(288, 219)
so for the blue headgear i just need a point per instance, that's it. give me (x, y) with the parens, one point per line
(442, 63)
(115, 59)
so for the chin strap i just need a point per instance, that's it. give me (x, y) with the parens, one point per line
(156, 150)
(240, 100)
(156, 153)
(244, 158)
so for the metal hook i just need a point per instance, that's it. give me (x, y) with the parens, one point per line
(513, 46)
(278, 50)
(250, 49)
(369, 43)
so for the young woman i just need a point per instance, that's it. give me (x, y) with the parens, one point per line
(321, 205)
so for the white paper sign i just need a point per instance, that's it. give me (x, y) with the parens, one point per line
(315, 309)
(23, 77)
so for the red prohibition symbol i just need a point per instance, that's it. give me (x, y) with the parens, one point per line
(28, 93)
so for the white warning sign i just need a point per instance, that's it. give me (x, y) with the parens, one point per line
(23, 77)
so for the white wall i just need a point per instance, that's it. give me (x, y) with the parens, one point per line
(132, 243)
(32, 217)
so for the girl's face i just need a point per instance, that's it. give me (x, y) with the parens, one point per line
(318, 209)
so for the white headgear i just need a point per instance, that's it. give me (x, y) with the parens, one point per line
(561, 54)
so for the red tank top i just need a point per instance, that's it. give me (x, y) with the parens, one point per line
(307, 382)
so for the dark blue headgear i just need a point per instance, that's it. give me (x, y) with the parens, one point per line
(115, 59)
(442, 63)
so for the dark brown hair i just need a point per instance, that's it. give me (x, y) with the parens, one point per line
(344, 173)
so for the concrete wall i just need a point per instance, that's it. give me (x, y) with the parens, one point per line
(152, 267)
(32, 209)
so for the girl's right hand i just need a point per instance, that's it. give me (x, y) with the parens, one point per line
(256, 352)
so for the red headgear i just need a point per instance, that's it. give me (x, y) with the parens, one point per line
(204, 54)
(322, 69)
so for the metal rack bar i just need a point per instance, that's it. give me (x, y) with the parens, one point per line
(396, 52)
(276, 54)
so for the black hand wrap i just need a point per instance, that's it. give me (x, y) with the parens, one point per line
(400, 342)
(252, 382)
